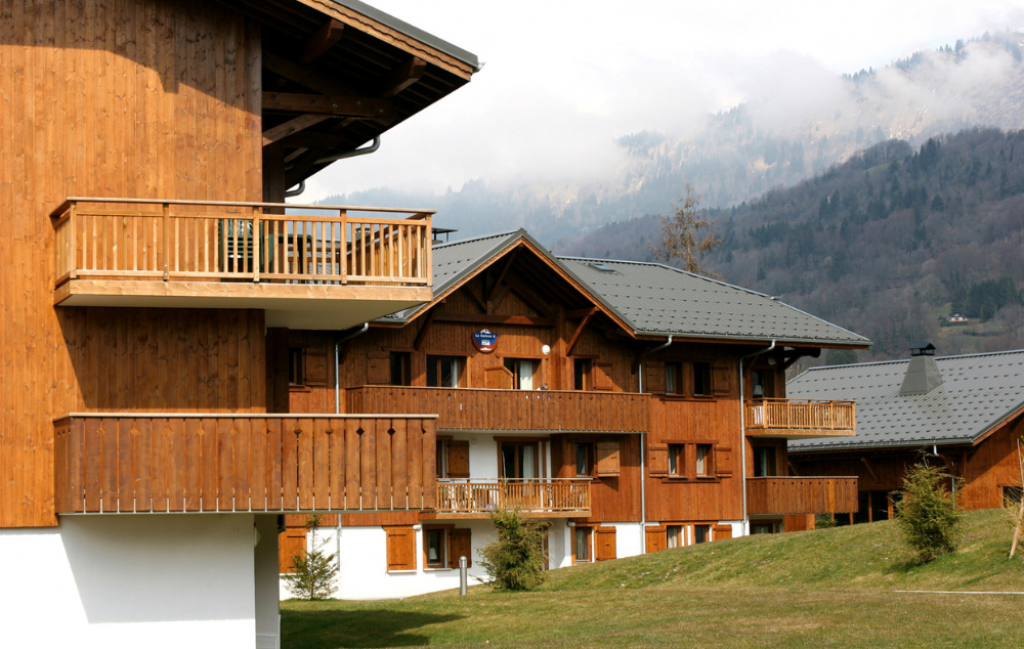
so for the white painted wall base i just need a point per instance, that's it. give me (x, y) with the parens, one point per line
(144, 580)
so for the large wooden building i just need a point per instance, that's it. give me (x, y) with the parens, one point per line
(962, 413)
(603, 397)
(147, 147)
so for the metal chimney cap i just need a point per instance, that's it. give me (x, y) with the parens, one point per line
(923, 349)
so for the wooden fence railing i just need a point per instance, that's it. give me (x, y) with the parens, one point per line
(803, 495)
(799, 414)
(137, 239)
(123, 463)
(530, 496)
(483, 409)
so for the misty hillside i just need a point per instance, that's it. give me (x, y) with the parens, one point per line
(778, 139)
(885, 244)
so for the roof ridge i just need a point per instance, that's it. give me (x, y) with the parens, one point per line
(907, 360)
(494, 235)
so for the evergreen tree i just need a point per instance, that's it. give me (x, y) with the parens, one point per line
(315, 571)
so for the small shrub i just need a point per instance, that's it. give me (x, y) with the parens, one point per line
(926, 517)
(516, 560)
(824, 521)
(315, 571)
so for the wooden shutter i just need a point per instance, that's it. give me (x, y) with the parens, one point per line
(290, 542)
(656, 539)
(605, 543)
(315, 361)
(608, 458)
(460, 544)
(720, 386)
(603, 376)
(498, 378)
(401, 548)
(723, 461)
(378, 370)
(657, 458)
(654, 376)
(458, 459)
(721, 532)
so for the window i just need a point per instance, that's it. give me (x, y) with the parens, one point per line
(296, 374)
(677, 460)
(703, 460)
(582, 379)
(452, 459)
(442, 458)
(518, 460)
(583, 539)
(401, 368)
(674, 536)
(443, 371)
(762, 528)
(764, 461)
(434, 545)
(673, 378)
(701, 533)
(761, 384)
(702, 380)
(522, 372)
(584, 459)
(1012, 495)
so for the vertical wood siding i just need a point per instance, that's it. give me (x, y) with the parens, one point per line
(127, 98)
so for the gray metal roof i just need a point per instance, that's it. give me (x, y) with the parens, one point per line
(412, 31)
(653, 299)
(978, 392)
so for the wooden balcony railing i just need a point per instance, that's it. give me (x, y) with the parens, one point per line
(799, 417)
(482, 409)
(529, 496)
(783, 495)
(173, 240)
(124, 463)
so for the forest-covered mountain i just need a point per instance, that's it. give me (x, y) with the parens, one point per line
(886, 244)
(787, 133)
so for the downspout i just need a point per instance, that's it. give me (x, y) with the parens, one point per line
(351, 154)
(743, 437)
(643, 476)
(301, 187)
(337, 373)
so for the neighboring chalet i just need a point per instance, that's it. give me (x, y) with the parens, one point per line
(962, 413)
(147, 147)
(600, 396)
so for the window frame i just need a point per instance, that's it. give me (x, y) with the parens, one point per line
(708, 460)
(434, 361)
(683, 453)
(296, 367)
(402, 361)
(516, 441)
(591, 459)
(443, 532)
(583, 374)
(674, 374)
(773, 453)
(516, 369)
(589, 531)
(703, 370)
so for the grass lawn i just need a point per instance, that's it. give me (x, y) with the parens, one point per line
(827, 588)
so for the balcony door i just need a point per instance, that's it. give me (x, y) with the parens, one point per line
(518, 460)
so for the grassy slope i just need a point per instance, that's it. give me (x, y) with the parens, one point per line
(828, 588)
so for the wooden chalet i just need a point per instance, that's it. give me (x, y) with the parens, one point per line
(148, 147)
(964, 414)
(602, 396)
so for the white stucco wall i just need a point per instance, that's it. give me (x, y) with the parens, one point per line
(130, 581)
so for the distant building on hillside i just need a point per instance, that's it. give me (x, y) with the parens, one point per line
(965, 413)
(956, 318)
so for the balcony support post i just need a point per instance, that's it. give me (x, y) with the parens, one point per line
(743, 438)
(167, 240)
(72, 233)
(256, 235)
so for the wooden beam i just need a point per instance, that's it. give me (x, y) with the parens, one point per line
(322, 40)
(304, 77)
(579, 330)
(402, 77)
(291, 127)
(311, 140)
(501, 275)
(578, 313)
(473, 318)
(476, 298)
(641, 357)
(871, 470)
(528, 296)
(421, 335)
(291, 102)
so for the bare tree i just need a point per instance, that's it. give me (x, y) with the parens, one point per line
(688, 234)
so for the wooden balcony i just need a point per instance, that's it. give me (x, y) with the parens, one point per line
(534, 498)
(799, 418)
(342, 267)
(783, 495)
(125, 463)
(536, 410)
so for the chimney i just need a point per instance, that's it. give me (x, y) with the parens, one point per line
(923, 373)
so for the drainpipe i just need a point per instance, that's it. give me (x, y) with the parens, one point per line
(337, 374)
(643, 476)
(366, 150)
(743, 437)
(301, 187)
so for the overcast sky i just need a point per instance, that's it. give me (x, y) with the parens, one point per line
(563, 79)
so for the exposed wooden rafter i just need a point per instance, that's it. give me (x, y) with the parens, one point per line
(402, 77)
(501, 275)
(579, 330)
(304, 76)
(472, 318)
(292, 126)
(421, 335)
(327, 104)
(322, 40)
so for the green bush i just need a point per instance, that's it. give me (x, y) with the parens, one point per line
(926, 516)
(314, 571)
(824, 522)
(516, 560)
